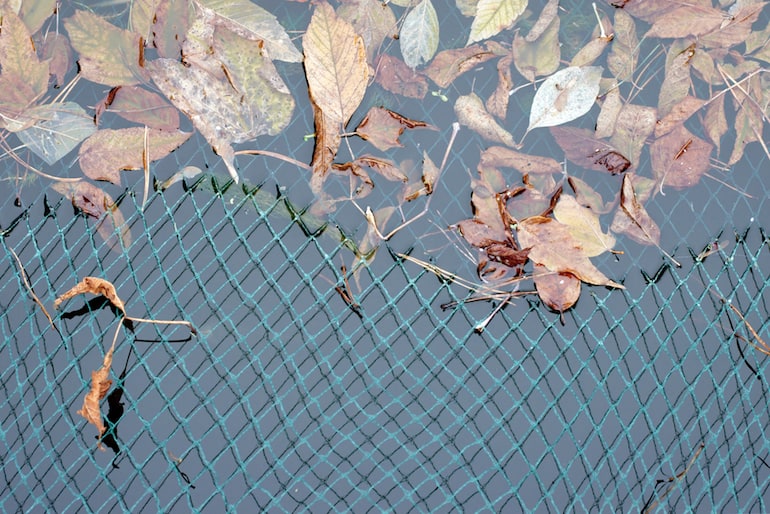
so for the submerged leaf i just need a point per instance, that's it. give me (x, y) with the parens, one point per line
(382, 127)
(398, 78)
(56, 130)
(494, 16)
(558, 291)
(584, 149)
(470, 112)
(419, 34)
(584, 225)
(565, 96)
(145, 108)
(450, 64)
(18, 57)
(372, 19)
(632, 218)
(679, 158)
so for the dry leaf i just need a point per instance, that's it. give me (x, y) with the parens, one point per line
(497, 103)
(552, 245)
(97, 286)
(100, 384)
(686, 20)
(327, 142)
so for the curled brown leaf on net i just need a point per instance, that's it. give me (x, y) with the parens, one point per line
(100, 384)
(97, 286)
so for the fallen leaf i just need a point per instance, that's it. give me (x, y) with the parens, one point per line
(632, 218)
(547, 15)
(450, 64)
(497, 103)
(108, 152)
(499, 156)
(608, 115)
(428, 178)
(588, 197)
(18, 57)
(538, 57)
(584, 226)
(552, 245)
(169, 24)
(624, 51)
(398, 78)
(252, 22)
(680, 158)
(484, 201)
(582, 148)
(327, 142)
(372, 19)
(565, 96)
(419, 34)
(686, 20)
(97, 286)
(507, 254)
(384, 167)
(558, 291)
(144, 107)
(470, 112)
(382, 127)
(494, 16)
(56, 129)
(57, 51)
(715, 121)
(94, 202)
(100, 384)
(633, 126)
(592, 50)
(676, 81)
(106, 54)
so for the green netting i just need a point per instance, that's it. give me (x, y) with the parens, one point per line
(287, 400)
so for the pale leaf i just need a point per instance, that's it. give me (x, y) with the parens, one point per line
(565, 96)
(419, 34)
(632, 218)
(470, 112)
(335, 64)
(494, 16)
(584, 225)
(18, 57)
(56, 130)
(372, 19)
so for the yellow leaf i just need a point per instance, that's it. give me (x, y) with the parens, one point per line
(493, 16)
(335, 64)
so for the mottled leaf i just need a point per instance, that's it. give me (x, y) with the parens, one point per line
(676, 82)
(450, 64)
(57, 51)
(679, 158)
(634, 124)
(678, 114)
(565, 96)
(18, 57)
(494, 16)
(419, 34)
(373, 20)
(621, 60)
(108, 152)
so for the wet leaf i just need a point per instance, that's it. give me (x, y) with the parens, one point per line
(251, 21)
(36, 13)
(608, 115)
(398, 78)
(419, 34)
(679, 158)
(552, 245)
(499, 156)
(632, 218)
(335, 64)
(565, 96)
(558, 291)
(582, 148)
(57, 51)
(384, 167)
(382, 127)
(186, 173)
(584, 226)
(108, 152)
(478, 233)
(19, 60)
(169, 21)
(633, 126)
(497, 103)
(686, 20)
(591, 51)
(470, 112)
(588, 197)
(494, 16)
(676, 82)
(106, 54)
(538, 57)
(56, 129)
(621, 60)
(715, 122)
(547, 15)
(372, 19)
(484, 201)
(507, 254)
(450, 64)
(327, 142)
(145, 108)
(94, 202)
(678, 114)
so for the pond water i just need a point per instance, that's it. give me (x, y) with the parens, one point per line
(288, 399)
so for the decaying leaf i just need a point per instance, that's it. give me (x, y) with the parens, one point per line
(450, 64)
(632, 218)
(470, 112)
(108, 152)
(633, 126)
(94, 202)
(56, 49)
(565, 96)
(55, 129)
(382, 127)
(558, 291)
(419, 34)
(624, 51)
(100, 384)
(97, 286)
(686, 20)
(540, 56)
(581, 147)
(497, 103)
(552, 245)
(398, 78)
(680, 158)
(494, 16)
(584, 225)
(19, 61)
(502, 157)
(145, 108)
(372, 19)
(676, 82)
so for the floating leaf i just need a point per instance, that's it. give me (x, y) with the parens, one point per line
(632, 218)
(57, 129)
(398, 78)
(686, 20)
(382, 127)
(584, 225)
(621, 60)
(384, 167)
(94, 202)
(335, 64)
(676, 82)
(24, 78)
(419, 34)
(470, 112)
(539, 56)
(633, 126)
(497, 103)
(558, 291)
(582, 148)
(327, 142)
(251, 21)
(106, 54)
(552, 245)
(372, 19)
(145, 108)
(108, 152)
(494, 16)
(565, 96)
(678, 114)
(57, 51)
(679, 158)
(450, 64)
(498, 156)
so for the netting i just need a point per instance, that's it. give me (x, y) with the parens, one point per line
(288, 399)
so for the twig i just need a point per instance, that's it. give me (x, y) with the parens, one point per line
(274, 155)
(672, 480)
(23, 274)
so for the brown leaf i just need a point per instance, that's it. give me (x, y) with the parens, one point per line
(107, 152)
(335, 64)
(97, 286)
(382, 127)
(505, 253)
(497, 103)
(540, 56)
(57, 51)
(372, 19)
(686, 20)
(384, 167)
(715, 121)
(679, 113)
(735, 29)
(484, 201)
(633, 126)
(679, 158)
(398, 78)
(327, 142)
(470, 112)
(632, 218)
(582, 148)
(446, 66)
(19, 60)
(552, 245)
(500, 156)
(477, 233)
(676, 82)
(100, 384)
(621, 60)
(96, 203)
(558, 291)
(145, 108)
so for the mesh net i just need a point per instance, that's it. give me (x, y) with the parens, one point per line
(290, 400)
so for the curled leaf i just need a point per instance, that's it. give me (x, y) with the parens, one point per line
(100, 384)
(93, 285)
